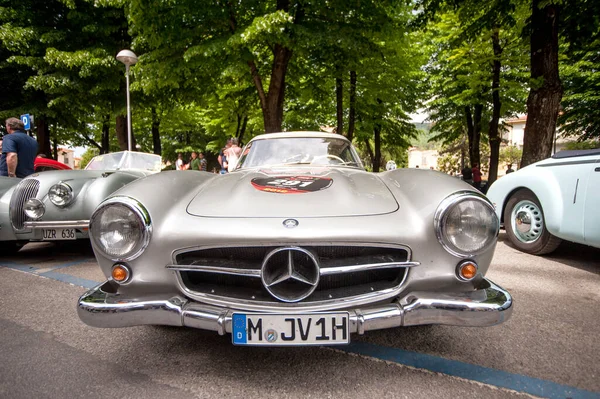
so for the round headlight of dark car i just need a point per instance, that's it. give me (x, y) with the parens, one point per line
(61, 194)
(466, 224)
(120, 228)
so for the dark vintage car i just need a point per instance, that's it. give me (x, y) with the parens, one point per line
(299, 245)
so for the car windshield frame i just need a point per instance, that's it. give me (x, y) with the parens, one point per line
(299, 151)
(126, 160)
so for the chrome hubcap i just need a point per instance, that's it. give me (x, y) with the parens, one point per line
(527, 221)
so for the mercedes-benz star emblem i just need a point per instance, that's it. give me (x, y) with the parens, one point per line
(290, 223)
(290, 274)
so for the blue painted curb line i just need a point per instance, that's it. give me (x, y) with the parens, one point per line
(485, 375)
(62, 277)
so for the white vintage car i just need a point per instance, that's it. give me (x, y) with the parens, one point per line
(552, 200)
(298, 246)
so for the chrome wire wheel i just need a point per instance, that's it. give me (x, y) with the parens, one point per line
(527, 221)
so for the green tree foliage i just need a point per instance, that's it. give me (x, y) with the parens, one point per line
(69, 77)
(511, 155)
(476, 73)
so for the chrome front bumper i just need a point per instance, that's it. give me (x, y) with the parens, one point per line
(65, 224)
(487, 306)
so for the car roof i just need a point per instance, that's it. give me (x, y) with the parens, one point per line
(575, 153)
(298, 134)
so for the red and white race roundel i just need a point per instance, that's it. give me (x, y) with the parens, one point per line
(291, 184)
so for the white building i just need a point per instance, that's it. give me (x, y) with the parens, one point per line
(66, 156)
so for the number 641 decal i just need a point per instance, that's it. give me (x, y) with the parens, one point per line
(291, 184)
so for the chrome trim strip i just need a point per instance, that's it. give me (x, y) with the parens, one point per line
(548, 165)
(216, 269)
(64, 224)
(298, 244)
(488, 305)
(325, 271)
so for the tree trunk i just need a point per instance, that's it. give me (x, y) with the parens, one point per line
(352, 110)
(339, 94)
(546, 88)
(370, 151)
(271, 102)
(477, 134)
(43, 136)
(243, 130)
(156, 132)
(493, 133)
(377, 139)
(474, 132)
(55, 150)
(105, 142)
(121, 128)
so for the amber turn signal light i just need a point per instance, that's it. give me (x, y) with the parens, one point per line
(120, 273)
(466, 271)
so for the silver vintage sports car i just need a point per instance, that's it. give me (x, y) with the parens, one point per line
(298, 246)
(57, 205)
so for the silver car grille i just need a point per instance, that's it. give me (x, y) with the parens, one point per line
(345, 272)
(25, 190)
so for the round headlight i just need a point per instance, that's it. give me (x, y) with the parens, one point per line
(34, 209)
(120, 228)
(466, 224)
(60, 194)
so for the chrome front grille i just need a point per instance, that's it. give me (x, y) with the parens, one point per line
(25, 190)
(346, 272)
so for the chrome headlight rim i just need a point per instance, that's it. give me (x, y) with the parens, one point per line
(68, 188)
(444, 209)
(140, 211)
(34, 202)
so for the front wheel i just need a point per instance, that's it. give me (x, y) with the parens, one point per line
(525, 225)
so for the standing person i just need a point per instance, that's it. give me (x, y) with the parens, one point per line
(18, 151)
(509, 169)
(179, 162)
(476, 176)
(203, 163)
(194, 162)
(233, 154)
(222, 158)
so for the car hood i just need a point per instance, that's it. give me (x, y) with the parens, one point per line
(303, 192)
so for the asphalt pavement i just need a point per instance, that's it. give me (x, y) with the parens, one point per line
(549, 348)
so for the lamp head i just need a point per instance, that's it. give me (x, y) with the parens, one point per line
(127, 57)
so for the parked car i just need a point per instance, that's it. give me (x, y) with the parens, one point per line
(299, 245)
(57, 205)
(549, 201)
(8, 240)
(42, 164)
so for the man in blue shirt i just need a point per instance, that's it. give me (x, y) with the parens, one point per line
(18, 151)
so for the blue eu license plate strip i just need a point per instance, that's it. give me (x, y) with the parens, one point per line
(239, 329)
(290, 329)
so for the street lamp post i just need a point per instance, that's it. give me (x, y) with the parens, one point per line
(128, 58)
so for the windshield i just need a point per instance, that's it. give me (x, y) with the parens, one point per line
(317, 151)
(126, 160)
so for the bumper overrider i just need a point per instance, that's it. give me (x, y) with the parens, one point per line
(488, 305)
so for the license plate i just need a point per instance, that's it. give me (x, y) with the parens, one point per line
(292, 330)
(58, 234)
